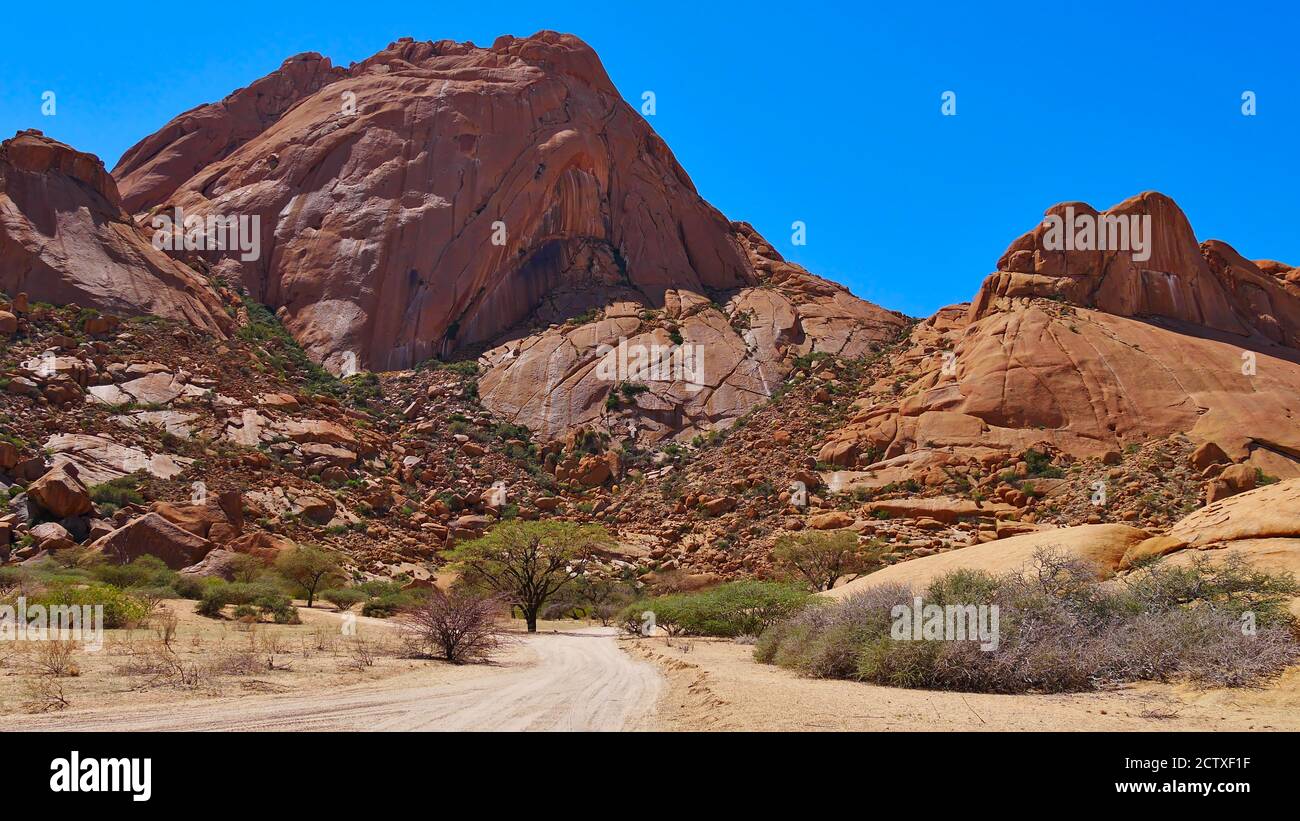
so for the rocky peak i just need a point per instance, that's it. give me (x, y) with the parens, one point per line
(30, 152)
(1157, 269)
(468, 191)
(65, 239)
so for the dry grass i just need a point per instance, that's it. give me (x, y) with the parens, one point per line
(177, 656)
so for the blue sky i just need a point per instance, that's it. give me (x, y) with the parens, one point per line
(825, 113)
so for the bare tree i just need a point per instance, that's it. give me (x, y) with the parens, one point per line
(461, 626)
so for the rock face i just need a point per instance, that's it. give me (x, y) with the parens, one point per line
(65, 238)
(1194, 340)
(1208, 285)
(438, 195)
(1100, 545)
(706, 363)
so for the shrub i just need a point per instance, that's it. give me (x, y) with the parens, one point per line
(729, 610)
(144, 572)
(387, 605)
(118, 492)
(460, 626)
(264, 597)
(121, 609)
(1060, 629)
(344, 598)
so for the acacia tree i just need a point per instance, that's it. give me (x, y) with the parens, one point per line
(529, 562)
(822, 557)
(311, 568)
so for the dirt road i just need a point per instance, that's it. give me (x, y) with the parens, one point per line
(574, 680)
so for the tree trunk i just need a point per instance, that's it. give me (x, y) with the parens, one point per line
(530, 616)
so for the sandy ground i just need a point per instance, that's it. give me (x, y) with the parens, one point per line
(716, 685)
(576, 679)
(567, 677)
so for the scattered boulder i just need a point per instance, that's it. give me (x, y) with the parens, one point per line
(153, 535)
(60, 492)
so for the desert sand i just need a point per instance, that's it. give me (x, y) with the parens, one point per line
(714, 684)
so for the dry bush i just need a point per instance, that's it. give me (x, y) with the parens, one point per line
(164, 624)
(361, 655)
(1060, 630)
(460, 626)
(54, 658)
(44, 694)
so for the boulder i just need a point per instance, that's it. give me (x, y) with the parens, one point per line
(152, 535)
(832, 520)
(1208, 454)
(218, 563)
(60, 492)
(51, 536)
(8, 455)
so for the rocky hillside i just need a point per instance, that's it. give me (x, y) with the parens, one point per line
(386, 380)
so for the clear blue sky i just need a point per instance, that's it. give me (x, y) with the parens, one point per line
(826, 113)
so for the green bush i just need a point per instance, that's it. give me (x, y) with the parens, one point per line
(743, 608)
(121, 609)
(142, 572)
(344, 598)
(118, 492)
(264, 596)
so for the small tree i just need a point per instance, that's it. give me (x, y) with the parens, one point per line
(821, 557)
(460, 626)
(529, 562)
(344, 598)
(310, 568)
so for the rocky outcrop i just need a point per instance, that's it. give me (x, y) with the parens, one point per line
(65, 238)
(1165, 275)
(1193, 340)
(1102, 546)
(439, 195)
(697, 364)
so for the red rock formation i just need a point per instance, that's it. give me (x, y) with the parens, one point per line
(1092, 351)
(1208, 285)
(65, 238)
(440, 193)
